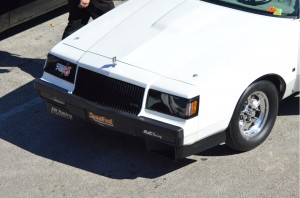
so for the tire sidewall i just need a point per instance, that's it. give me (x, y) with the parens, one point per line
(245, 143)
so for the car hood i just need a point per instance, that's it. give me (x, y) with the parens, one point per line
(180, 39)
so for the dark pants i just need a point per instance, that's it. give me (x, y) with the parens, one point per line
(80, 17)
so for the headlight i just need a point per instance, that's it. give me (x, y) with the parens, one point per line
(172, 105)
(60, 68)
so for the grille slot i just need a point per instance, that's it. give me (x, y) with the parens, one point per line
(109, 92)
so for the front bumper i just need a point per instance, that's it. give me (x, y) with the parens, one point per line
(67, 106)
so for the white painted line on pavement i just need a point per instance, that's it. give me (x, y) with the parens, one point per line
(19, 109)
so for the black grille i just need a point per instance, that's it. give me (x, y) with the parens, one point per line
(109, 92)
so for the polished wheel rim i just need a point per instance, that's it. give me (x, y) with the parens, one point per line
(254, 114)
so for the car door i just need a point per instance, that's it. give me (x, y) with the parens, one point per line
(4, 15)
(23, 10)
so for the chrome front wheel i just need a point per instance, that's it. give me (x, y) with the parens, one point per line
(254, 116)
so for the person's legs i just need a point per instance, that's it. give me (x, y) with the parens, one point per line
(99, 7)
(77, 18)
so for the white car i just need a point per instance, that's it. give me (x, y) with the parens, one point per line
(186, 75)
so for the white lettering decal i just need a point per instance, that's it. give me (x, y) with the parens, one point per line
(151, 133)
(61, 113)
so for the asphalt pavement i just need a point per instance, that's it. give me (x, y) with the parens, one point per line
(41, 156)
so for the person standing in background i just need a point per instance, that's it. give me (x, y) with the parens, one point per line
(80, 12)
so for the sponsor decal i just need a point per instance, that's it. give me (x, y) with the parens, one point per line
(274, 10)
(63, 69)
(151, 133)
(61, 113)
(103, 121)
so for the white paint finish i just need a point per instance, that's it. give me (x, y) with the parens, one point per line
(99, 28)
(164, 44)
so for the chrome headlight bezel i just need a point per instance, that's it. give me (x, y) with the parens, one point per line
(172, 105)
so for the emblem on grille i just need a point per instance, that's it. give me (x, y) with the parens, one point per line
(64, 69)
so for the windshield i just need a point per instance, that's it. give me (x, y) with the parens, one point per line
(269, 7)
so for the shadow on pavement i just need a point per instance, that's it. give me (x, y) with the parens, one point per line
(221, 150)
(25, 123)
(8, 61)
(99, 151)
(290, 106)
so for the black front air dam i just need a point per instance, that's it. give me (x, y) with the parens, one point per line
(72, 107)
(64, 105)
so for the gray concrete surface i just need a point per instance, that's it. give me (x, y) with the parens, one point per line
(42, 156)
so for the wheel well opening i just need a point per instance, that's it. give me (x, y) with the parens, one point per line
(277, 81)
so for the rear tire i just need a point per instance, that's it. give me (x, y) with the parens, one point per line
(253, 117)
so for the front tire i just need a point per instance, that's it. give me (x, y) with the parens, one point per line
(253, 117)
